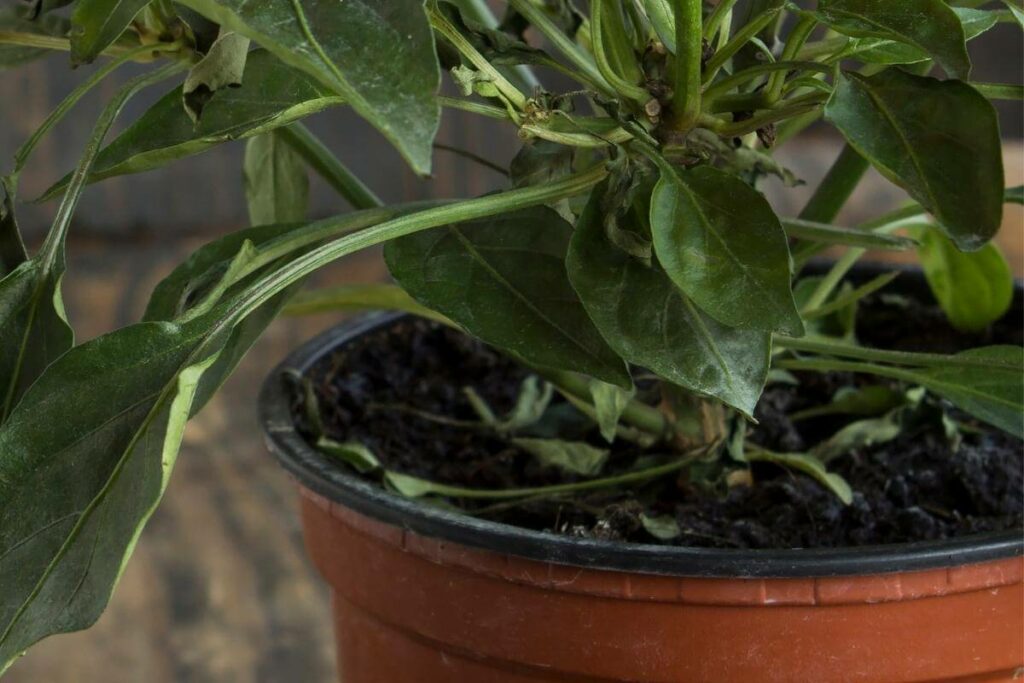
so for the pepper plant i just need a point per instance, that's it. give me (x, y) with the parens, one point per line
(631, 234)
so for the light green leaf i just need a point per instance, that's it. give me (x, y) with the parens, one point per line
(873, 399)
(355, 454)
(917, 131)
(359, 297)
(609, 401)
(1017, 12)
(221, 67)
(276, 184)
(96, 24)
(809, 465)
(662, 527)
(722, 245)
(929, 25)
(974, 289)
(858, 434)
(392, 86)
(574, 457)
(663, 20)
(649, 322)
(880, 51)
(503, 279)
(531, 402)
(271, 95)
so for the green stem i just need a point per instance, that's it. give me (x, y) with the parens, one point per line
(642, 416)
(920, 360)
(472, 156)
(796, 39)
(734, 45)
(602, 50)
(847, 298)
(782, 111)
(686, 93)
(569, 49)
(329, 167)
(836, 187)
(488, 110)
(834, 276)
(830, 365)
(854, 237)
(719, 88)
(480, 12)
(715, 19)
(1000, 91)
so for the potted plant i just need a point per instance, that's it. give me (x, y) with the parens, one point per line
(675, 445)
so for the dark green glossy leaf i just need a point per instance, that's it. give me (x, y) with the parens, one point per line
(880, 51)
(929, 25)
(918, 132)
(272, 95)
(974, 289)
(722, 245)
(392, 86)
(96, 24)
(574, 457)
(276, 183)
(504, 280)
(13, 20)
(649, 322)
(221, 67)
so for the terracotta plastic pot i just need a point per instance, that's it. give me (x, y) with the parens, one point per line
(422, 595)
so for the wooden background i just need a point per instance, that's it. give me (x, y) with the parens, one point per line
(219, 588)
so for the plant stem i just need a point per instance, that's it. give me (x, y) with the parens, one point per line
(488, 110)
(642, 416)
(783, 110)
(847, 298)
(836, 187)
(602, 50)
(329, 167)
(717, 16)
(796, 39)
(999, 91)
(880, 355)
(686, 93)
(479, 11)
(719, 88)
(834, 235)
(734, 45)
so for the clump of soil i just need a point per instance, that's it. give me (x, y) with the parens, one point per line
(922, 485)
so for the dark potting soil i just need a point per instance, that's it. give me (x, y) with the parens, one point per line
(923, 485)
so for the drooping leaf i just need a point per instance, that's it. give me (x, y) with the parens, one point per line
(276, 183)
(272, 94)
(609, 403)
(574, 457)
(974, 289)
(929, 25)
(810, 466)
(722, 245)
(873, 399)
(662, 527)
(858, 434)
(881, 51)
(96, 24)
(47, 25)
(917, 131)
(221, 67)
(649, 322)
(504, 281)
(992, 392)
(355, 454)
(327, 39)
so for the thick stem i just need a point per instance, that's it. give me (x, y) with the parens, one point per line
(686, 93)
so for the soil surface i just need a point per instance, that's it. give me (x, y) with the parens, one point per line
(383, 389)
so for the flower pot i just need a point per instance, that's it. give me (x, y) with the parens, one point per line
(425, 595)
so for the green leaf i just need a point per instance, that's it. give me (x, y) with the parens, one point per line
(11, 19)
(722, 245)
(503, 279)
(810, 466)
(531, 402)
(221, 67)
(873, 399)
(392, 85)
(574, 457)
(974, 289)
(12, 248)
(858, 434)
(271, 95)
(609, 403)
(352, 453)
(663, 20)
(662, 527)
(1017, 12)
(994, 394)
(649, 322)
(276, 184)
(96, 24)
(917, 131)
(929, 25)
(879, 51)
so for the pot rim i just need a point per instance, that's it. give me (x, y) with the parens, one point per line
(324, 476)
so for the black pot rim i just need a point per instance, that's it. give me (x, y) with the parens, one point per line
(326, 477)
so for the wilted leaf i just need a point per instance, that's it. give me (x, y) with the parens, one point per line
(393, 90)
(649, 322)
(221, 67)
(810, 466)
(722, 245)
(662, 527)
(276, 184)
(918, 131)
(503, 279)
(974, 289)
(929, 25)
(355, 454)
(609, 402)
(858, 434)
(96, 24)
(574, 457)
